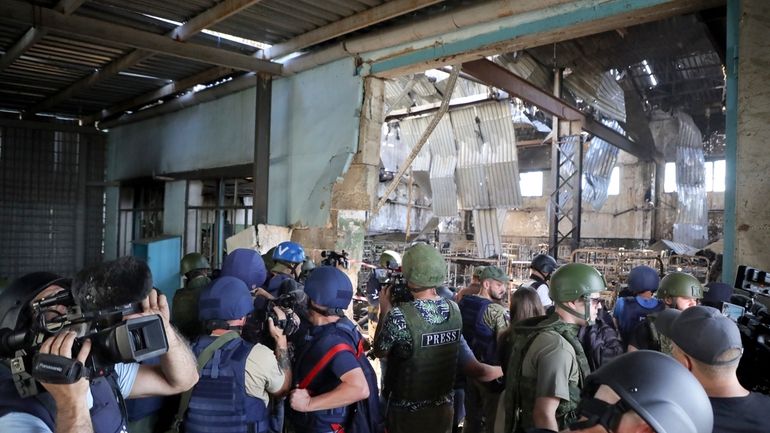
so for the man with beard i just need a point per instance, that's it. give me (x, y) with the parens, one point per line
(483, 319)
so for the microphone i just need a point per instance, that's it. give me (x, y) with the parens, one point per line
(108, 285)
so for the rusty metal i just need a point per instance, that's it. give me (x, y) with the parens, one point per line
(499, 77)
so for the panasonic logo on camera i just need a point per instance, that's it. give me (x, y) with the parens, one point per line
(440, 338)
(55, 368)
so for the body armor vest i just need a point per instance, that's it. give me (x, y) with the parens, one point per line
(633, 314)
(480, 337)
(184, 309)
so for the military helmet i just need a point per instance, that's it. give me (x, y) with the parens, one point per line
(544, 264)
(247, 265)
(329, 287)
(14, 300)
(575, 280)
(193, 261)
(655, 386)
(289, 252)
(390, 259)
(642, 279)
(680, 284)
(424, 266)
(227, 298)
(478, 271)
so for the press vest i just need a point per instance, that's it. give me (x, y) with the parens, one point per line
(480, 337)
(429, 373)
(342, 331)
(520, 398)
(184, 309)
(106, 413)
(219, 401)
(634, 313)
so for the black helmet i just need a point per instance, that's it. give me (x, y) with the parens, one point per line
(655, 386)
(15, 299)
(544, 264)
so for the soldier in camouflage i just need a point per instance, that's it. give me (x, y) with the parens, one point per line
(184, 310)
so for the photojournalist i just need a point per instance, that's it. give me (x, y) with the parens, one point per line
(70, 349)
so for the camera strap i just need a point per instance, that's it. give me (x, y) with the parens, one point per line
(203, 359)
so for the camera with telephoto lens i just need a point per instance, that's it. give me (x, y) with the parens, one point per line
(114, 339)
(399, 292)
(291, 299)
(333, 258)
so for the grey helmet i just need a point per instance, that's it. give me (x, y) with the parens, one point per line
(655, 386)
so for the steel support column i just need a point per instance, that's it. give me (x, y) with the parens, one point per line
(262, 148)
(731, 139)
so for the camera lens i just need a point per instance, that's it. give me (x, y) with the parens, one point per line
(137, 337)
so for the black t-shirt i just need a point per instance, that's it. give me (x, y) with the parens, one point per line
(741, 414)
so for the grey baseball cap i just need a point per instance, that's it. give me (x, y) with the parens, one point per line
(703, 333)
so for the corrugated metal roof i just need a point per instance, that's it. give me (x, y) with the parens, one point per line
(59, 60)
(442, 168)
(598, 163)
(487, 166)
(486, 223)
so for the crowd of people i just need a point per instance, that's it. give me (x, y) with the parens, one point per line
(265, 345)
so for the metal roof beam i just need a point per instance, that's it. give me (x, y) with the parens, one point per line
(346, 25)
(30, 38)
(169, 89)
(34, 35)
(497, 76)
(100, 30)
(210, 17)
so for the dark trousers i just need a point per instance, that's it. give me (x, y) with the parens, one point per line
(434, 419)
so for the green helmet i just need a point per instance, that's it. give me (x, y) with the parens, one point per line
(390, 259)
(424, 266)
(680, 284)
(572, 282)
(478, 271)
(193, 261)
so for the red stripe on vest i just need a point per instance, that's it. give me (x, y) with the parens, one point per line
(325, 360)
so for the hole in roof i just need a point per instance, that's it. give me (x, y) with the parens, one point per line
(233, 38)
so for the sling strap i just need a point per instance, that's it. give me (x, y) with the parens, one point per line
(203, 359)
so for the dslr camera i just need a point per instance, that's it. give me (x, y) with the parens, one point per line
(398, 291)
(291, 299)
(333, 258)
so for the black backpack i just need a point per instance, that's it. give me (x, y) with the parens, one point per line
(364, 416)
(600, 341)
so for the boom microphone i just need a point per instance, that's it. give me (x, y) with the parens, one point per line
(108, 285)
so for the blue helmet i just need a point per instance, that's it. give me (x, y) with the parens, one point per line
(329, 287)
(643, 278)
(290, 252)
(227, 298)
(246, 265)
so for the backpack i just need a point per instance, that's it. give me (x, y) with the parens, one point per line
(364, 416)
(600, 341)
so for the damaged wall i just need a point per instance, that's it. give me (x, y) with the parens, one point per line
(314, 133)
(635, 218)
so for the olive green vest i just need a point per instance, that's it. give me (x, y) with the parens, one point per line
(429, 373)
(520, 395)
(658, 341)
(184, 309)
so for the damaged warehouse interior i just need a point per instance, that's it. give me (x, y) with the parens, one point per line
(612, 133)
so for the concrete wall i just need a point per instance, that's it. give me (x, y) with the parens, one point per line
(752, 214)
(314, 133)
(635, 219)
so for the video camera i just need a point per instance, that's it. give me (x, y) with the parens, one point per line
(754, 325)
(84, 305)
(333, 258)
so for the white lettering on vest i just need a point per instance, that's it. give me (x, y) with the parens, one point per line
(440, 338)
